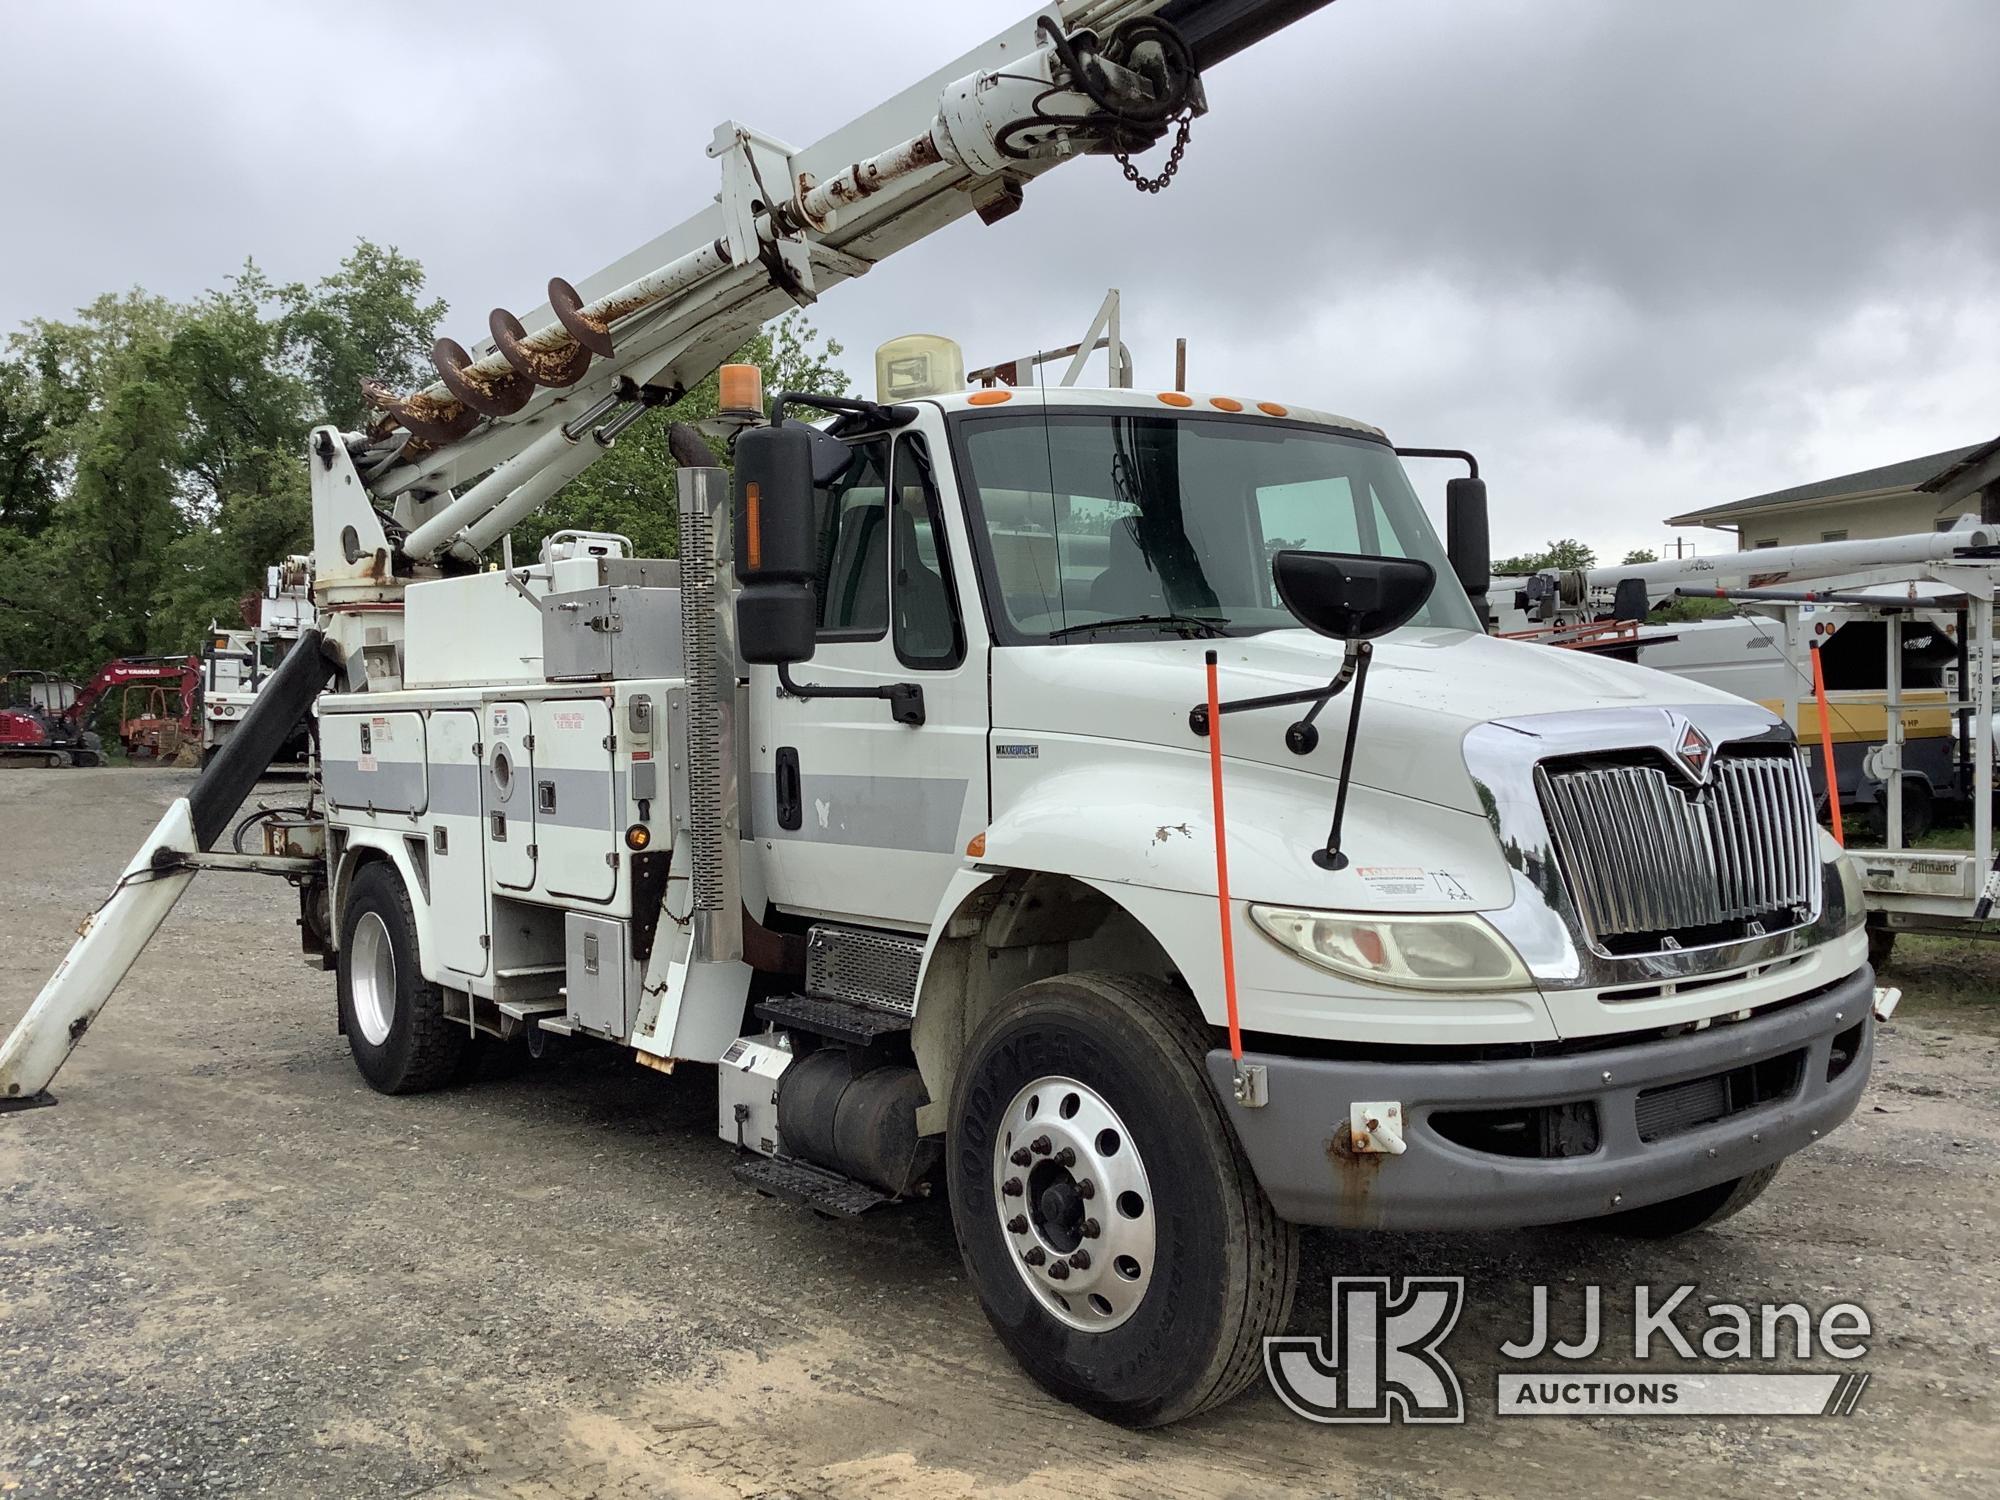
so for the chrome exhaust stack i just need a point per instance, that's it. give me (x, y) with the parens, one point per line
(711, 819)
(697, 984)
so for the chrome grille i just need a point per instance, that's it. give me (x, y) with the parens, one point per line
(1644, 859)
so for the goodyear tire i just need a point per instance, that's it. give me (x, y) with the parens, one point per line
(394, 1018)
(1691, 1211)
(1119, 1242)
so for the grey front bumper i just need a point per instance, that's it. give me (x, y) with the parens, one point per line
(1298, 1147)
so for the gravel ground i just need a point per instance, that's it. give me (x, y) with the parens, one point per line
(227, 1268)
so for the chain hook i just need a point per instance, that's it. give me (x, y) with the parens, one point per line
(1160, 183)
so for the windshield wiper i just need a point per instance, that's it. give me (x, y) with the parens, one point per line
(1198, 625)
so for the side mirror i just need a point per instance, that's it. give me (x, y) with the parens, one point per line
(1349, 597)
(1466, 538)
(772, 533)
(831, 457)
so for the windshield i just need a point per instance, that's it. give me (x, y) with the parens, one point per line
(1101, 525)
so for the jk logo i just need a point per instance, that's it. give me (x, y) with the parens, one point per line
(1380, 1363)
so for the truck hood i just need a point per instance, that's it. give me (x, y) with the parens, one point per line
(1426, 689)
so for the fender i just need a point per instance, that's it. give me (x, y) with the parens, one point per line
(364, 844)
(1133, 824)
(1118, 812)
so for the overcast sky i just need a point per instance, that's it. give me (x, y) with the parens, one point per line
(1640, 257)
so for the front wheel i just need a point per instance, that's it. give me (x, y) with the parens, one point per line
(402, 1041)
(1691, 1211)
(1118, 1240)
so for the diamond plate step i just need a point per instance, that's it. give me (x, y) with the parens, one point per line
(808, 1186)
(839, 1020)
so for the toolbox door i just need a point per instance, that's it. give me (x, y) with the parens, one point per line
(457, 844)
(577, 799)
(508, 784)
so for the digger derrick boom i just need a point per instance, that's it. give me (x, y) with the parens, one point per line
(524, 406)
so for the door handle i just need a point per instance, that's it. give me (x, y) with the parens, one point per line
(790, 798)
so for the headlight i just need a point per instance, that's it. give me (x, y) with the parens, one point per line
(1853, 896)
(1448, 952)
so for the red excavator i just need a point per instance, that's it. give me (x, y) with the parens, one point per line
(43, 717)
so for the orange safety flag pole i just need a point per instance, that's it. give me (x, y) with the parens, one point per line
(1222, 862)
(1826, 749)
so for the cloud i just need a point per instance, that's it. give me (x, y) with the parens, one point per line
(1640, 257)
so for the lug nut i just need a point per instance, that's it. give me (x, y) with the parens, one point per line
(1086, 1189)
(1042, 1145)
(1080, 1260)
(1066, 1157)
(1011, 1187)
(1018, 1224)
(1092, 1229)
(1034, 1255)
(1020, 1158)
(1059, 1270)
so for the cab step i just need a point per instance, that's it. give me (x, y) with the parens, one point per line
(801, 1183)
(848, 1021)
(525, 1010)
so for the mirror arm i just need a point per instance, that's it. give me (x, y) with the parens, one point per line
(1302, 736)
(905, 699)
(851, 412)
(1471, 463)
(1330, 857)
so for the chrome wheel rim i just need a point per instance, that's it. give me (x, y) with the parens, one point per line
(372, 978)
(1075, 1203)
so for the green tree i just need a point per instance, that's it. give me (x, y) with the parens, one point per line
(28, 475)
(152, 453)
(365, 321)
(75, 364)
(1566, 554)
(1639, 555)
(125, 502)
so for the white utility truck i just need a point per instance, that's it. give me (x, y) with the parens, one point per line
(893, 798)
(235, 663)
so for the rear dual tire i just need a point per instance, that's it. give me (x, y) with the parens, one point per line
(1101, 1079)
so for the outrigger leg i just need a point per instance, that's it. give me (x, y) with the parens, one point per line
(114, 935)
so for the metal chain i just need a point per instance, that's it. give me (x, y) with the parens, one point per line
(1166, 177)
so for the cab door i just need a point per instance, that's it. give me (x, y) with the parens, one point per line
(861, 816)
